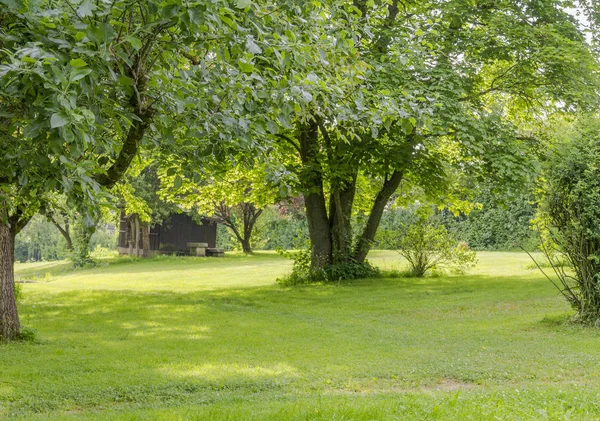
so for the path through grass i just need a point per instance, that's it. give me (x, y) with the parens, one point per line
(192, 338)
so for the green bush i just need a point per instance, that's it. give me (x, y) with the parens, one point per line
(502, 223)
(302, 272)
(429, 247)
(570, 218)
(18, 292)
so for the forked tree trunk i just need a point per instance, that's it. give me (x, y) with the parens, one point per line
(340, 219)
(9, 317)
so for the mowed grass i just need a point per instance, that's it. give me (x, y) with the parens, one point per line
(193, 338)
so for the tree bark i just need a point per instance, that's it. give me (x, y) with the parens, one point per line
(9, 316)
(136, 235)
(314, 198)
(146, 252)
(340, 215)
(130, 235)
(365, 241)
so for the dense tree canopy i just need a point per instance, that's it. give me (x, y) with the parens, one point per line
(396, 91)
(84, 84)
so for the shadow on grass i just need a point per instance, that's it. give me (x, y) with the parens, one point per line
(100, 348)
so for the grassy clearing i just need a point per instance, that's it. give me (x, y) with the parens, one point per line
(188, 338)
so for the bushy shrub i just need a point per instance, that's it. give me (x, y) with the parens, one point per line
(302, 272)
(428, 246)
(570, 219)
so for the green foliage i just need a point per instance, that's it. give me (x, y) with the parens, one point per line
(27, 334)
(570, 216)
(18, 292)
(39, 240)
(427, 246)
(84, 228)
(304, 273)
(497, 225)
(282, 226)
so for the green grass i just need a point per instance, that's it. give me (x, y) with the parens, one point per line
(193, 338)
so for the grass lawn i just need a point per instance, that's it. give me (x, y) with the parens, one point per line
(194, 338)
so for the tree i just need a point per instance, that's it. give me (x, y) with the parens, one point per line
(395, 91)
(235, 198)
(83, 85)
(139, 200)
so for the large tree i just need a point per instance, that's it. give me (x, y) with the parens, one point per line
(84, 84)
(405, 90)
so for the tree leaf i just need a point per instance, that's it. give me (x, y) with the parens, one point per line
(252, 47)
(79, 74)
(77, 63)
(86, 8)
(242, 4)
(135, 43)
(177, 183)
(59, 120)
(246, 67)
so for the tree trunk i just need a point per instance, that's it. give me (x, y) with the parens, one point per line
(251, 215)
(246, 247)
(146, 252)
(130, 236)
(9, 317)
(365, 242)
(340, 219)
(136, 235)
(314, 198)
(65, 233)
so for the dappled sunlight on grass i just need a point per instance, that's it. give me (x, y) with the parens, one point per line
(226, 372)
(220, 334)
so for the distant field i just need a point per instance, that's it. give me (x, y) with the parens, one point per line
(218, 339)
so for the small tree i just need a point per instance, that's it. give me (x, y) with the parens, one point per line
(427, 246)
(236, 198)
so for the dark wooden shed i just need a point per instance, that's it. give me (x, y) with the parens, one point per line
(173, 235)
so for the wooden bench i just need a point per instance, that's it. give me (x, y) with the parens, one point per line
(197, 249)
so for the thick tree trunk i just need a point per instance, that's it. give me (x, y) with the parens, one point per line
(246, 247)
(314, 198)
(9, 317)
(365, 242)
(146, 252)
(340, 219)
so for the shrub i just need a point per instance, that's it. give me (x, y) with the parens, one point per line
(429, 247)
(18, 292)
(570, 219)
(302, 273)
